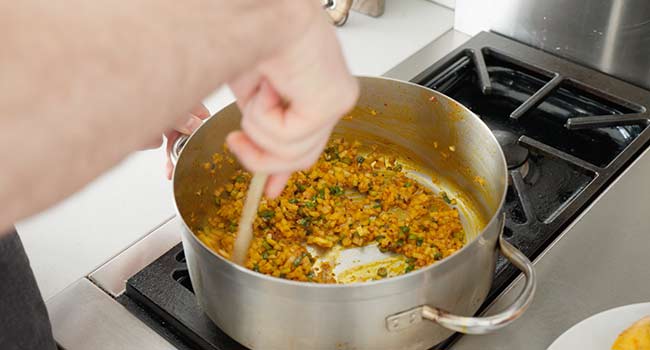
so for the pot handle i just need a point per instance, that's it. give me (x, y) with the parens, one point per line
(177, 147)
(475, 325)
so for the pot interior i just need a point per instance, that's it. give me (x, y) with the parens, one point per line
(443, 146)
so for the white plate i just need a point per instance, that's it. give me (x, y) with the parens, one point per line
(599, 331)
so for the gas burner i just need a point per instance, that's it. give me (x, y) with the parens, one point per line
(516, 155)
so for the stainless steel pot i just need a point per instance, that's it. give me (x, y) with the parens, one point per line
(440, 138)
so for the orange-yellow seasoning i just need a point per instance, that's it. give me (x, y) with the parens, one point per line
(345, 200)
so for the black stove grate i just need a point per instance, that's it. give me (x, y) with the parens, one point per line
(576, 137)
(164, 288)
(567, 132)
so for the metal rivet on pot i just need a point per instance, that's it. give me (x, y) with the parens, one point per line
(396, 323)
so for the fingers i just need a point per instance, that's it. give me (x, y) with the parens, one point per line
(171, 136)
(275, 184)
(326, 88)
(245, 86)
(290, 105)
(200, 111)
(263, 122)
(190, 124)
(281, 149)
(256, 159)
(193, 121)
(266, 114)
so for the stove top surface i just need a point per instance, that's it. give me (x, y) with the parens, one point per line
(567, 132)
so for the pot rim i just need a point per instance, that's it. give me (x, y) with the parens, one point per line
(396, 279)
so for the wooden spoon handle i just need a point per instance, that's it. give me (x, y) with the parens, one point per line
(249, 212)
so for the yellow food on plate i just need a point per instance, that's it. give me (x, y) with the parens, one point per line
(636, 337)
(346, 200)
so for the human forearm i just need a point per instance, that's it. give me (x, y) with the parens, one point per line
(75, 76)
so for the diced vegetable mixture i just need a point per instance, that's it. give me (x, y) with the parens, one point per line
(347, 199)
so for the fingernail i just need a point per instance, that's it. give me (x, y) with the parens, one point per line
(192, 124)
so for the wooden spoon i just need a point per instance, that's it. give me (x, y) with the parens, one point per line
(248, 214)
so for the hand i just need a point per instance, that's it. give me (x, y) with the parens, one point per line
(290, 103)
(185, 127)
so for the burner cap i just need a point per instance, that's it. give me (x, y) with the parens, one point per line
(515, 154)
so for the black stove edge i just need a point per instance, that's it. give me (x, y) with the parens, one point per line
(154, 322)
(156, 290)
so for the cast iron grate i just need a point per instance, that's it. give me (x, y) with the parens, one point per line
(572, 123)
(164, 288)
(571, 134)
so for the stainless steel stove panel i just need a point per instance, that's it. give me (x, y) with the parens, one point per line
(85, 317)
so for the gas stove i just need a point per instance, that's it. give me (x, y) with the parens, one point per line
(567, 132)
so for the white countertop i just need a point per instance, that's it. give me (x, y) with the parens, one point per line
(71, 239)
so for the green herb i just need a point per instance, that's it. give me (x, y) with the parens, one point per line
(346, 160)
(409, 268)
(360, 159)
(412, 237)
(331, 153)
(336, 190)
(267, 214)
(300, 187)
(217, 201)
(382, 272)
(410, 261)
(293, 201)
(379, 237)
(272, 251)
(377, 205)
(232, 227)
(298, 260)
(321, 193)
(310, 275)
(437, 255)
(266, 245)
(400, 242)
(240, 178)
(405, 229)
(407, 184)
(256, 268)
(397, 167)
(419, 241)
(310, 204)
(265, 255)
(445, 197)
(304, 222)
